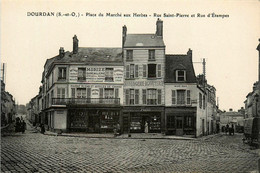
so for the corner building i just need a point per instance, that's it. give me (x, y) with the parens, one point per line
(144, 61)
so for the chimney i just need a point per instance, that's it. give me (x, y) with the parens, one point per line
(159, 28)
(124, 35)
(61, 52)
(230, 109)
(189, 53)
(75, 44)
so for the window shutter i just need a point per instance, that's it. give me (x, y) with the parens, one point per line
(137, 96)
(88, 92)
(159, 70)
(173, 97)
(116, 93)
(72, 92)
(127, 71)
(144, 96)
(127, 96)
(58, 92)
(144, 70)
(136, 71)
(101, 93)
(188, 97)
(159, 96)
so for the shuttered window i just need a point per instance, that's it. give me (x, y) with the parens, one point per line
(144, 96)
(144, 70)
(159, 70)
(136, 71)
(173, 97)
(137, 96)
(159, 96)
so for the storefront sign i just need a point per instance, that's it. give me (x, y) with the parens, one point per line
(94, 86)
(143, 83)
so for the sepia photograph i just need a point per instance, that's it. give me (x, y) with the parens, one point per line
(130, 86)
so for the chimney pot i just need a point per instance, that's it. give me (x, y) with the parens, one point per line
(61, 52)
(75, 44)
(124, 32)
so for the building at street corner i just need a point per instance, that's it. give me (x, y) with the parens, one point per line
(186, 107)
(144, 61)
(83, 89)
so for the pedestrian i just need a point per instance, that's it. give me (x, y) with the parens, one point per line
(227, 128)
(17, 124)
(146, 129)
(232, 129)
(42, 129)
(23, 126)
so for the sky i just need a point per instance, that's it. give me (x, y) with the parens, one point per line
(227, 43)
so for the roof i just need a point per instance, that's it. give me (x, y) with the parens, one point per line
(143, 40)
(232, 114)
(179, 62)
(89, 56)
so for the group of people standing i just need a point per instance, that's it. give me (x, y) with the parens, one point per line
(20, 125)
(229, 129)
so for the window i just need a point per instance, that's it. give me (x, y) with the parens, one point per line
(60, 92)
(204, 102)
(62, 73)
(144, 70)
(159, 71)
(109, 93)
(109, 75)
(127, 96)
(188, 122)
(129, 54)
(137, 96)
(101, 93)
(180, 76)
(173, 97)
(151, 70)
(188, 97)
(180, 97)
(116, 93)
(52, 95)
(200, 100)
(81, 92)
(132, 96)
(151, 54)
(144, 96)
(151, 100)
(159, 96)
(132, 71)
(82, 74)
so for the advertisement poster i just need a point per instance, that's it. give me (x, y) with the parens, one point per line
(223, 37)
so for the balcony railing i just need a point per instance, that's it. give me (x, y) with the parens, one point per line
(85, 101)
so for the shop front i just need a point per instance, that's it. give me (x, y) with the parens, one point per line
(143, 119)
(93, 120)
(180, 121)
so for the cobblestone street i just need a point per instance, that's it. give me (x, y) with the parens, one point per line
(34, 152)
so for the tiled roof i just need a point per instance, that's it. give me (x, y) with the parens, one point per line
(179, 62)
(143, 40)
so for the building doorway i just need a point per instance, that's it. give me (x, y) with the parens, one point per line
(179, 126)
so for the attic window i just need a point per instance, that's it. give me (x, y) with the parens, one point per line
(180, 75)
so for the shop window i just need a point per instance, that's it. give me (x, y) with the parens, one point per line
(151, 100)
(180, 75)
(62, 73)
(109, 75)
(180, 97)
(170, 122)
(151, 54)
(151, 70)
(129, 54)
(188, 97)
(81, 74)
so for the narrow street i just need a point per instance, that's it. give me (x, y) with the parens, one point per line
(34, 152)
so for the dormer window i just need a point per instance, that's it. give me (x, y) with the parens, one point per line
(180, 75)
